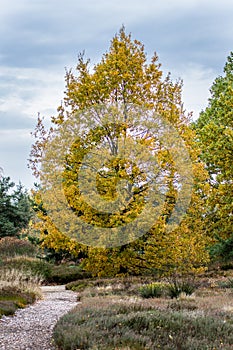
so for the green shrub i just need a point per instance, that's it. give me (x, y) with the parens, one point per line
(222, 249)
(63, 274)
(227, 266)
(12, 246)
(152, 290)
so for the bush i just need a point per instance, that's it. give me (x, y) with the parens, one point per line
(21, 280)
(12, 246)
(227, 266)
(183, 304)
(15, 208)
(152, 290)
(60, 274)
(118, 283)
(222, 249)
(63, 274)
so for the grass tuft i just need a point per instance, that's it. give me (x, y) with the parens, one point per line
(153, 290)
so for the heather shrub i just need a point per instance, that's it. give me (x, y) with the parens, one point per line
(63, 274)
(102, 323)
(12, 246)
(117, 284)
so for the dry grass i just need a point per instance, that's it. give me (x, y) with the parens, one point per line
(21, 280)
(18, 288)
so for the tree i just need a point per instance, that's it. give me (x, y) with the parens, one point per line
(214, 130)
(15, 209)
(55, 244)
(124, 100)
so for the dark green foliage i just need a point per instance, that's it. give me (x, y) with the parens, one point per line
(54, 256)
(214, 130)
(227, 266)
(63, 274)
(15, 209)
(223, 249)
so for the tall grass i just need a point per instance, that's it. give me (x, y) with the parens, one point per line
(29, 265)
(18, 288)
(21, 274)
(12, 246)
(20, 280)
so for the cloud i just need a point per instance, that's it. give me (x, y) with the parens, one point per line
(43, 33)
(197, 82)
(40, 38)
(14, 151)
(25, 92)
(202, 37)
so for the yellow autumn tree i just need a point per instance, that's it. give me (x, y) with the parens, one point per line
(50, 237)
(120, 168)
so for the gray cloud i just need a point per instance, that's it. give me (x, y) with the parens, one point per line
(45, 33)
(39, 38)
(202, 37)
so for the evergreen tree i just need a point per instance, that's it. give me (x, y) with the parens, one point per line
(15, 209)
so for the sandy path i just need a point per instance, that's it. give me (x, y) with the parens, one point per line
(31, 328)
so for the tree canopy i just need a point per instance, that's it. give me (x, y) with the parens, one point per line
(150, 108)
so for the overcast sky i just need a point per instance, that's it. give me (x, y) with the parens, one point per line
(39, 38)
